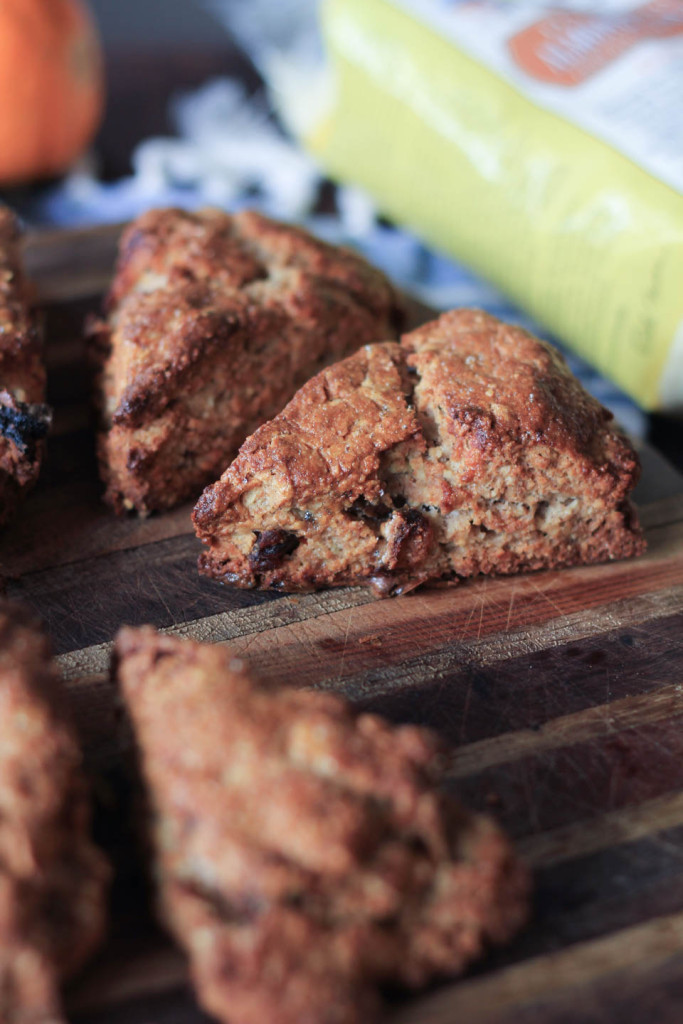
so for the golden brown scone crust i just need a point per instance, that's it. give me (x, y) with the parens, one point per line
(213, 323)
(24, 419)
(53, 880)
(469, 448)
(304, 855)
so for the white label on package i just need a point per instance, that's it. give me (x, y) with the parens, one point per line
(616, 72)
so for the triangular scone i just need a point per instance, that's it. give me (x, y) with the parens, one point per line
(469, 448)
(53, 879)
(213, 323)
(304, 855)
(24, 419)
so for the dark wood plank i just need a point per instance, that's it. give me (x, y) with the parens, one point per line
(65, 266)
(495, 714)
(87, 602)
(601, 892)
(581, 780)
(613, 978)
(176, 1006)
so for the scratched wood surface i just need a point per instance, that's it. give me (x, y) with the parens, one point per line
(561, 693)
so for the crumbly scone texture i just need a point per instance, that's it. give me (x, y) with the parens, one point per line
(53, 880)
(24, 419)
(305, 857)
(213, 323)
(469, 448)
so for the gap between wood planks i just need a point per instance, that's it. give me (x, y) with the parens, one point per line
(267, 620)
(155, 971)
(602, 832)
(552, 976)
(591, 723)
(66, 265)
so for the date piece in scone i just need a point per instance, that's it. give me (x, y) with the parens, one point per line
(53, 880)
(469, 448)
(305, 857)
(213, 323)
(24, 419)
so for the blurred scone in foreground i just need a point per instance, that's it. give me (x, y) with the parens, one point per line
(305, 857)
(213, 322)
(467, 448)
(53, 880)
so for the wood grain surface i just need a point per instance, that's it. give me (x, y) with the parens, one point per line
(560, 692)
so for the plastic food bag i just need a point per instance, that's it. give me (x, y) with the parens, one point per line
(543, 146)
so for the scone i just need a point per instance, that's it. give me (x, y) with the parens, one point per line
(469, 448)
(304, 856)
(24, 419)
(213, 323)
(53, 880)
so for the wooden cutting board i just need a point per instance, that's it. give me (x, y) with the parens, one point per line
(561, 693)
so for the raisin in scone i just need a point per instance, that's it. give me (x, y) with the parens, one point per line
(469, 448)
(304, 856)
(213, 323)
(53, 880)
(24, 419)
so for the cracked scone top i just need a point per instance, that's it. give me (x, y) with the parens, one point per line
(304, 855)
(53, 880)
(469, 448)
(24, 419)
(213, 323)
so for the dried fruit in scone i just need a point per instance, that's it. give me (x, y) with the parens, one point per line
(24, 419)
(469, 448)
(213, 323)
(53, 880)
(304, 855)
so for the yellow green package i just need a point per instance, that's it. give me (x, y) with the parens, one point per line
(542, 146)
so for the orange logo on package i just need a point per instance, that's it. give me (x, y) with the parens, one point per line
(568, 47)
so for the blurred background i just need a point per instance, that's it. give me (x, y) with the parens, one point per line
(155, 23)
(153, 49)
(397, 128)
